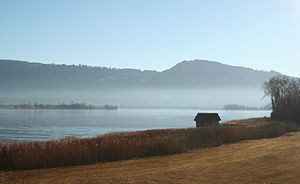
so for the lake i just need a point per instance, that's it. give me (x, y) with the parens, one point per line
(32, 125)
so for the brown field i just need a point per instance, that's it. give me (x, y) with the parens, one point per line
(263, 161)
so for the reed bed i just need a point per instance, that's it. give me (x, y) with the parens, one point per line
(127, 145)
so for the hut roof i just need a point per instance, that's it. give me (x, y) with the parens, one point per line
(207, 117)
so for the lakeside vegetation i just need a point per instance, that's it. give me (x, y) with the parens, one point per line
(243, 107)
(72, 105)
(128, 145)
(284, 92)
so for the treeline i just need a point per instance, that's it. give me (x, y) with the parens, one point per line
(285, 97)
(243, 107)
(72, 105)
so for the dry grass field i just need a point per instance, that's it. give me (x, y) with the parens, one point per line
(263, 161)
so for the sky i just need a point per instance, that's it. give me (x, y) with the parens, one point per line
(153, 34)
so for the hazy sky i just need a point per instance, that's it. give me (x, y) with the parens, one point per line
(262, 34)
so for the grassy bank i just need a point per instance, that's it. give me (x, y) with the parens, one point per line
(128, 145)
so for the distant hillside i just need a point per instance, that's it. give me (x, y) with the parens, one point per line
(213, 74)
(18, 75)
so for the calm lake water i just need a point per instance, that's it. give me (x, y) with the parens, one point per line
(28, 125)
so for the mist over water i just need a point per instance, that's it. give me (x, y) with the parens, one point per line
(208, 98)
(167, 111)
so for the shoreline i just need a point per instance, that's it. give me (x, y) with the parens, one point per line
(117, 146)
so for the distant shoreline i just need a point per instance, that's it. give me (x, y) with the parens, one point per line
(62, 106)
(136, 108)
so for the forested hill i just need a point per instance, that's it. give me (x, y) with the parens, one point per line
(19, 75)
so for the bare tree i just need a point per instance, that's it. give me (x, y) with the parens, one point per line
(284, 92)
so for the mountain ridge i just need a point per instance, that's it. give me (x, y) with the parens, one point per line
(15, 74)
(116, 68)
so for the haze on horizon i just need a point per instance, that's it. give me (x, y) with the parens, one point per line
(196, 83)
(153, 34)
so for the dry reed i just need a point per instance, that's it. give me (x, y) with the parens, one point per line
(127, 145)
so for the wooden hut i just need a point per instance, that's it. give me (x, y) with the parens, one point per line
(206, 119)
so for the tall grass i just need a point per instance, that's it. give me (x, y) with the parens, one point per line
(127, 145)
